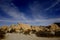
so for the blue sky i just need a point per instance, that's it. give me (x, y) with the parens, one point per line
(33, 12)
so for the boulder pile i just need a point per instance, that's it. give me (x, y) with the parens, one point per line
(44, 31)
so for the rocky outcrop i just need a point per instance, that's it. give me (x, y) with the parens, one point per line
(4, 28)
(51, 30)
(54, 27)
(25, 28)
(38, 28)
(20, 27)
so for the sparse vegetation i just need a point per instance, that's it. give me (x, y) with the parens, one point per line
(44, 34)
(2, 34)
(27, 32)
(57, 33)
(33, 31)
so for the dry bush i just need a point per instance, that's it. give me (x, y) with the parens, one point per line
(40, 34)
(33, 31)
(2, 34)
(27, 32)
(43, 34)
(57, 33)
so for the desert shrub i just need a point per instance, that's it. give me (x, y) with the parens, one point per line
(57, 33)
(40, 34)
(27, 32)
(2, 34)
(33, 31)
(44, 34)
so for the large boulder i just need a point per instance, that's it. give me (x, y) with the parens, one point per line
(57, 24)
(14, 28)
(17, 29)
(54, 27)
(20, 27)
(25, 26)
(4, 28)
(38, 28)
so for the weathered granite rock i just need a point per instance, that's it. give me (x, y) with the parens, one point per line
(54, 27)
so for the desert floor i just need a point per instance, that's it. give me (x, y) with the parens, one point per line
(17, 36)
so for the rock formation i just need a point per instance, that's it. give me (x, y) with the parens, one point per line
(4, 28)
(51, 30)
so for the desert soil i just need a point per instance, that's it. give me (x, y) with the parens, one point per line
(17, 36)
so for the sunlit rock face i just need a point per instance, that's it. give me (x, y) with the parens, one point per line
(24, 26)
(17, 28)
(37, 28)
(9, 29)
(20, 27)
(54, 27)
(58, 24)
(4, 28)
(14, 28)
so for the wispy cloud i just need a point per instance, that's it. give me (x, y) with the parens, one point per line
(13, 11)
(35, 22)
(36, 10)
(53, 5)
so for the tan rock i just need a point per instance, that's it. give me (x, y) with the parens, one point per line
(38, 28)
(12, 26)
(4, 28)
(18, 27)
(54, 27)
(25, 26)
(9, 29)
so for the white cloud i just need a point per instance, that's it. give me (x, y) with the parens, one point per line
(35, 22)
(36, 10)
(20, 16)
(13, 11)
(53, 5)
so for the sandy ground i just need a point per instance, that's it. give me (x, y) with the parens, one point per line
(14, 36)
